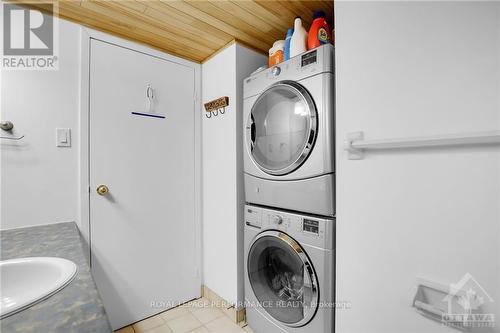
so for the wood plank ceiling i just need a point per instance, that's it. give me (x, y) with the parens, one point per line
(193, 30)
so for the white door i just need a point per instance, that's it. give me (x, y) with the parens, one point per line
(143, 249)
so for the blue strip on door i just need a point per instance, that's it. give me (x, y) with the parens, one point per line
(148, 115)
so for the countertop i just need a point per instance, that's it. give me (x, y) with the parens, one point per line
(75, 309)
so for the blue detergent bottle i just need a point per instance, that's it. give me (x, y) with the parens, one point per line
(288, 38)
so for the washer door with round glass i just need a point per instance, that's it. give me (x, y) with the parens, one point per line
(282, 278)
(282, 128)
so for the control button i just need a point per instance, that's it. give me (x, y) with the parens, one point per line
(277, 219)
(276, 71)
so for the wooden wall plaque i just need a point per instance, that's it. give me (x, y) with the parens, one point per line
(218, 103)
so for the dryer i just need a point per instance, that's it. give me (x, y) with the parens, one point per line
(289, 271)
(289, 134)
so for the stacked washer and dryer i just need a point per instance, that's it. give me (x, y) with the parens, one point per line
(289, 177)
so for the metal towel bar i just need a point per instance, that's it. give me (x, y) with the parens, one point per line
(12, 137)
(355, 145)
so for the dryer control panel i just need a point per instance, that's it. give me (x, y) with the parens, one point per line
(312, 230)
(313, 62)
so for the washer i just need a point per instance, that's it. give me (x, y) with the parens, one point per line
(289, 134)
(289, 271)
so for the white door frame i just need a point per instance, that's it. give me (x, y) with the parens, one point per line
(86, 35)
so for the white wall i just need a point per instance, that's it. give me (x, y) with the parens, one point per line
(413, 69)
(39, 181)
(246, 62)
(222, 170)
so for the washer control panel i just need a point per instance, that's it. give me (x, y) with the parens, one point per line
(253, 216)
(311, 226)
(311, 230)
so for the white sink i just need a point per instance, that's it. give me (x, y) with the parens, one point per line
(26, 281)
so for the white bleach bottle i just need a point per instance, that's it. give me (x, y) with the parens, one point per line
(298, 43)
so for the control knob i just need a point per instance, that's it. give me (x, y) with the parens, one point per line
(277, 219)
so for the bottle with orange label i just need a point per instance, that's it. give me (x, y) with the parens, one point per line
(319, 33)
(276, 53)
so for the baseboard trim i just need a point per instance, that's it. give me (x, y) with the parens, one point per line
(236, 315)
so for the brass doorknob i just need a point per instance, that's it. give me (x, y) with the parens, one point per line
(102, 190)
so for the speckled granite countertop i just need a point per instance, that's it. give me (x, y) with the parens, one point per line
(75, 309)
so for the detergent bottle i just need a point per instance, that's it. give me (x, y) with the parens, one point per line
(298, 42)
(276, 53)
(288, 39)
(319, 33)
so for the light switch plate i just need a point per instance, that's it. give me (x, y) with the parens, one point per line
(63, 137)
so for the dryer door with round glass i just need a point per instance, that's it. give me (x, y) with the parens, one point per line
(282, 128)
(282, 278)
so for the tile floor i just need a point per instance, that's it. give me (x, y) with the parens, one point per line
(198, 316)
